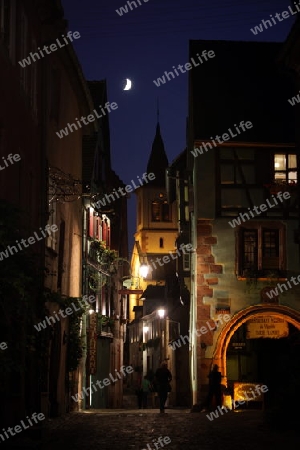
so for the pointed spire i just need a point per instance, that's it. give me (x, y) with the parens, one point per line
(158, 160)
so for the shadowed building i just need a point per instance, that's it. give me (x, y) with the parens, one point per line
(241, 153)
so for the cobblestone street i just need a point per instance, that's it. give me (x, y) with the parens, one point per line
(134, 429)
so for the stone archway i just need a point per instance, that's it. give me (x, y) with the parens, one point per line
(283, 312)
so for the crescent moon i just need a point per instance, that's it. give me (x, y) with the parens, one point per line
(128, 85)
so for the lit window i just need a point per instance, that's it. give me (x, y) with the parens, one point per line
(285, 167)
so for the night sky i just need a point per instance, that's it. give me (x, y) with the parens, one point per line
(142, 45)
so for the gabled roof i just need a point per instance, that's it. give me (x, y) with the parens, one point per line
(242, 82)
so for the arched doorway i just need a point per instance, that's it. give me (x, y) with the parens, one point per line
(264, 360)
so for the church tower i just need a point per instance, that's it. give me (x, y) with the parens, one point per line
(156, 226)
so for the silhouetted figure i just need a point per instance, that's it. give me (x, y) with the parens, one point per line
(163, 377)
(214, 388)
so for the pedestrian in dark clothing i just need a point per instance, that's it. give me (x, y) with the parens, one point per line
(163, 377)
(214, 388)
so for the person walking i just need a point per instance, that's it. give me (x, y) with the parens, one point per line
(163, 378)
(214, 388)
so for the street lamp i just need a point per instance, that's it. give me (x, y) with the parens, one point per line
(144, 270)
(161, 313)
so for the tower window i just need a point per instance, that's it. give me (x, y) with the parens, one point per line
(161, 242)
(160, 211)
(155, 211)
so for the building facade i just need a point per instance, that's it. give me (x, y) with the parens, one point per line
(105, 265)
(242, 173)
(41, 190)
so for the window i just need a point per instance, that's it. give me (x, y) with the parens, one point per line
(160, 210)
(261, 250)
(161, 242)
(270, 249)
(184, 259)
(249, 243)
(285, 167)
(155, 211)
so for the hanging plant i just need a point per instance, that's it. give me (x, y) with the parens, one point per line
(101, 254)
(74, 338)
(106, 321)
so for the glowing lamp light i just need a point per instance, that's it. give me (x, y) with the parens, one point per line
(161, 313)
(145, 329)
(91, 311)
(144, 269)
